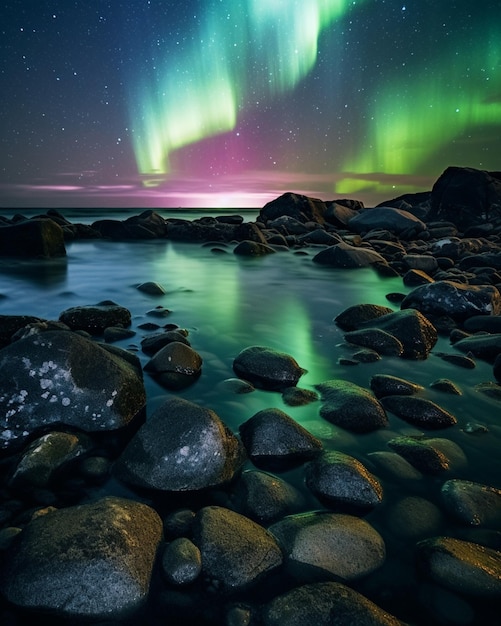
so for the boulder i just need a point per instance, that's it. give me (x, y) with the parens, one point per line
(153, 343)
(461, 566)
(355, 316)
(429, 456)
(175, 366)
(342, 481)
(456, 300)
(267, 368)
(181, 562)
(265, 498)
(418, 411)
(397, 221)
(485, 347)
(11, 324)
(252, 248)
(181, 447)
(415, 332)
(325, 604)
(94, 318)
(271, 438)
(345, 256)
(236, 552)
(466, 197)
(376, 339)
(322, 545)
(388, 385)
(32, 238)
(472, 503)
(101, 555)
(60, 377)
(350, 406)
(299, 207)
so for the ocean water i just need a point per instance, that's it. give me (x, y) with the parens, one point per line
(283, 301)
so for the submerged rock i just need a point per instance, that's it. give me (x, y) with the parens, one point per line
(350, 406)
(322, 545)
(461, 566)
(387, 385)
(342, 481)
(429, 456)
(267, 368)
(236, 552)
(101, 555)
(472, 503)
(419, 411)
(182, 447)
(271, 438)
(94, 318)
(355, 316)
(175, 366)
(325, 604)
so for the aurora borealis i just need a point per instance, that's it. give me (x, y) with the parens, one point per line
(229, 103)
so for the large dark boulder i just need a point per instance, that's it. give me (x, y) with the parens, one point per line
(182, 447)
(92, 561)
(32, 238)
(267, 368)
(345, 256)
(452, 299)
(94, 318)
(301, 208)
(396, 221)
(236, 551)
(11, 324)
(60, 377)
(466, 197)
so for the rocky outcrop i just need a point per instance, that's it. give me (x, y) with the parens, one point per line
(35, 238)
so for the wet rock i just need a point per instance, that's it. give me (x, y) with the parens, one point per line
(376, 339)
(46, 456)
(387, 218)
(265, 498)
(181, 447)
(485, 347)
(325, 604)
(272, 437)
(175, 366)
(342, 481)
(472, 503)
(321, 545)
(11, 324)
(419, 411)
(320, 237)
(350, 406)
(413, 517)
(429, 456)
(456, 300)
(60, 377)
(414, 278)
(100, 554)
(355, 316)
(299, 207)
(153, 343)
(236, 552)
(181, 562)
(457, 359)
(446, 385)
(393, 466)
(115, 333)
(421, 262)
(345, 256)
(490, 389)
(267, 368)
(415, 332)
(466, 197)
(34, 238)
(483, 323)
(252, 248)
(294, 396)
(387, 385)
(93, 319)
(461, 566)
(151, 288)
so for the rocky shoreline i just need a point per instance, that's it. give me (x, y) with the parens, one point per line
(211, 526)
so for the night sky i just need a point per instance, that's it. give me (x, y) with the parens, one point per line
(229, 103)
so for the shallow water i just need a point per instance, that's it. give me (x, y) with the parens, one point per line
(282, 301)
